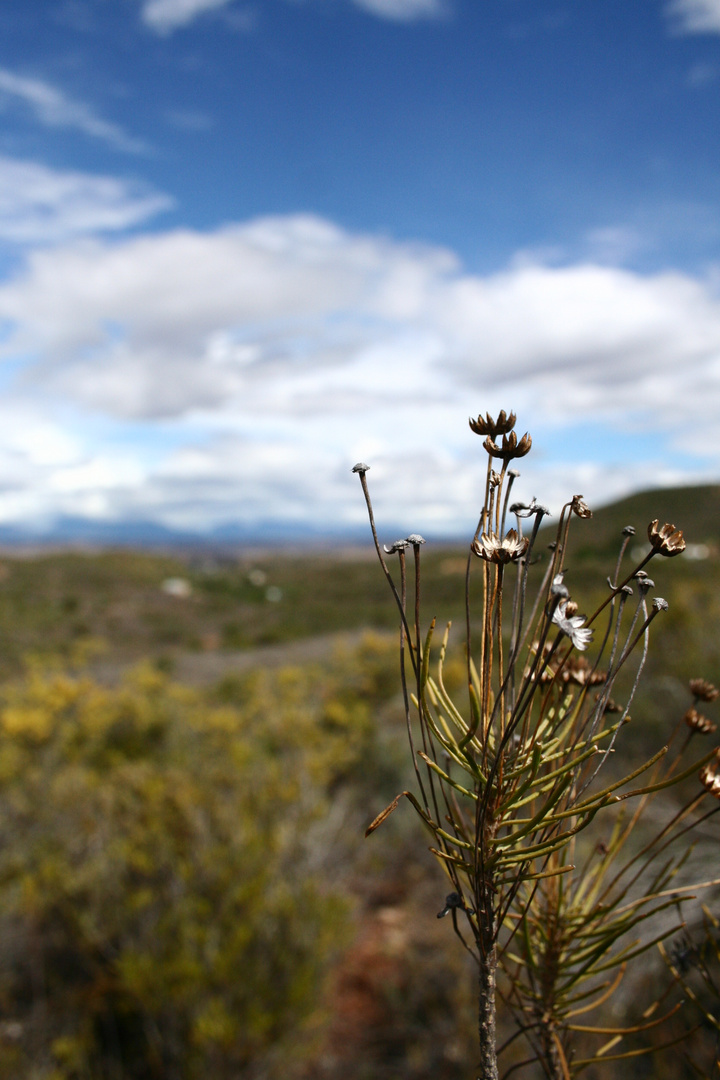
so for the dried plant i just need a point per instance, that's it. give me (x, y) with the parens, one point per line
(509, 780)
(694, 961)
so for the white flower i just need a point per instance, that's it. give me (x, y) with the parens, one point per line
(572, 626)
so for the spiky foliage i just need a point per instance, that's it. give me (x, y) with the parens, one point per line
(508, 782)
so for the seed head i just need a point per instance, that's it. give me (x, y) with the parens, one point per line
(578, 672)
(659, 604)
(485, 425)
(644, 583)
(699, 723)
(702, 690)
(490, 547)
(361, 467)
(579, 507)
(526, 510)
(629, 530)
(415, 539)
(666, 539)
(710, 776)
(511, 447)
(397, 545)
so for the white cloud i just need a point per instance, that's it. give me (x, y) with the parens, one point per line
(404, 10)
(53, 108)
(42, 205)
(164, 16)
(47, 472)
(264, 358)
(696, 16)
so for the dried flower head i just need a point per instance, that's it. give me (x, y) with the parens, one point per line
(415, 539)
(511, 447)
(526, 510)
(699, 723)
(710, 776)
(361, 467)
(702, 690)
(629, 530)
(487, 426)
(578, 672)
(579, 507)
(665, 539)
(396, 546)
(570, 608)
(573, 627)
(490, 547)
(659, 604)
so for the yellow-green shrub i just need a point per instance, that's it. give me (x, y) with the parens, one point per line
(159, 907)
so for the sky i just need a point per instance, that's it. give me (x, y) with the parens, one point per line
(247, 243)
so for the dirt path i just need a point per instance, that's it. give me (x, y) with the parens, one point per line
(204, 668)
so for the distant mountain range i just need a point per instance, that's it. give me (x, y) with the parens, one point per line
(696, 510)
(79, 531)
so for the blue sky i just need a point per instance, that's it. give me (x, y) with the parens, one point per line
(244, 244)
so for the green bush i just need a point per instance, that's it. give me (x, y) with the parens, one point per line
(160, 912)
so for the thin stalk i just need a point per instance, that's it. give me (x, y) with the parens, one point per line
(403, 679)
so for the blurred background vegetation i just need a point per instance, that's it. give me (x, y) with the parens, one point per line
(191, 746)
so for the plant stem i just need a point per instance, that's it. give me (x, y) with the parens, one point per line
(553, 1053)
(486, 1018)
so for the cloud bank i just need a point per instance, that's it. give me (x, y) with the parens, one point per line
(198, 379)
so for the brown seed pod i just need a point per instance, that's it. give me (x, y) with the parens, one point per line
(666, 539)
(511, 447)
(579, 507)
(702, 690)
(710, 776)
(699, 723)
(485, 425)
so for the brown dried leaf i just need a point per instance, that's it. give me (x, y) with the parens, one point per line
(385, 813)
